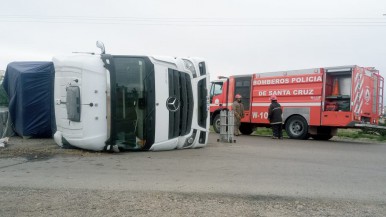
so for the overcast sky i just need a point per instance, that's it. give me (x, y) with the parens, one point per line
(234, 36)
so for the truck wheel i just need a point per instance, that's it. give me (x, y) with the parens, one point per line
(297, 127)
(246, 129)
(321, 137)
(216, 123)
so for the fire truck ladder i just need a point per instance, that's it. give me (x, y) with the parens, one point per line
(227, 122)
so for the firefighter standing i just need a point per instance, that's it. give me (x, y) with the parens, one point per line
(238, 109)
(275, 118)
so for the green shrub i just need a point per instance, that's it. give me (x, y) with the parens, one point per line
(361, 133)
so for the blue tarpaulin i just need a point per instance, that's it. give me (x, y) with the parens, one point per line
(30, 89)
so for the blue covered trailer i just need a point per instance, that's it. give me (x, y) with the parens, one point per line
(30, 87)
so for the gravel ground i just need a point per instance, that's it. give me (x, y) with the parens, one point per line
(72, 202)
(47, 148)
(81, 202)
(40, 149)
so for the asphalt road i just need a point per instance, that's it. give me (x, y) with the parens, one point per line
(253, 166)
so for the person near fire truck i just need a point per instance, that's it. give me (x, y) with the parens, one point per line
(275, 118)
(238, 109)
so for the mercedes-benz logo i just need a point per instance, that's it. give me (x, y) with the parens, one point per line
(173, 104)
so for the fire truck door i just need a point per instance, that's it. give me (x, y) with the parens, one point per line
(243, 87)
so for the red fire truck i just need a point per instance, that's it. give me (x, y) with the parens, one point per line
(316, 102)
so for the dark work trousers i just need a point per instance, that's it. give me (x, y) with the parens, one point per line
(276, 130)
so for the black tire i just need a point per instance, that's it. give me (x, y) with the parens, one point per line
(216, 123)
(321, 137)
(246, 129)
(297, 127)
(308, 136)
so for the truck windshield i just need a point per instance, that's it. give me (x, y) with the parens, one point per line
(134, 85)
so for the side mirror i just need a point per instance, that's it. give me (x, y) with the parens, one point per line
(101, 46)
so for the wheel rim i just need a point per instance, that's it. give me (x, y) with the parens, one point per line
(296, 128)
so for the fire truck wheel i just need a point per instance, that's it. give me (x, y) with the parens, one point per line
(297, 127)
(216, 123)
(321, 137)
(308, 136)
(246, 129)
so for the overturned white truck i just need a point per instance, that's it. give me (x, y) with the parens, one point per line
(115, 102)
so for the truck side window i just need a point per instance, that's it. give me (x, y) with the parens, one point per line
(73, 103)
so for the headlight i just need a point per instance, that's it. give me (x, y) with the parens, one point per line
(189, 141)
(189, 66)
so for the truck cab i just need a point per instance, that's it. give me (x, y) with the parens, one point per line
(124, 102)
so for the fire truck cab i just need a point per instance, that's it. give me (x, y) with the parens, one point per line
(316, 102)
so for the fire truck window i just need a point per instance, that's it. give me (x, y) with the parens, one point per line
(243, 83)
(243, 87)
(217, 89)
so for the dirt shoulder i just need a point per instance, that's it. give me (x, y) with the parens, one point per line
(39, 149)
(35, 149)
